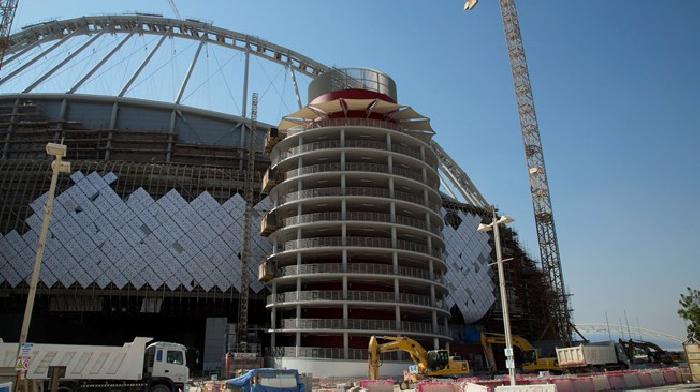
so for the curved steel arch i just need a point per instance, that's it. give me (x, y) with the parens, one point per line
(32, 35)
(622, 329)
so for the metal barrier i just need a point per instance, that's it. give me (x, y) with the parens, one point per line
(368, 242)
(387, 325)
(356, 191)
(355, 296)
(357, 268)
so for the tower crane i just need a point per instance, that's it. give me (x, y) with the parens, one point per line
(8, 8)
(534, 154)
(246, 253)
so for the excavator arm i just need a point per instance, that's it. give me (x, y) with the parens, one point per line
(395, 343)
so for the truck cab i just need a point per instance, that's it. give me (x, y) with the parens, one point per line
(165, 363)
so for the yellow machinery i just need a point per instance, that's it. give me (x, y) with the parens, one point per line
(436, 363)
(531, 360)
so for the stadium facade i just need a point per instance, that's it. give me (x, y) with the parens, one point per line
(147, 229)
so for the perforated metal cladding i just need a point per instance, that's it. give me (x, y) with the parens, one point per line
(467, 255)
(96, 237)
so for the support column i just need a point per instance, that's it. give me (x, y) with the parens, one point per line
(244, 107)
(273, 315)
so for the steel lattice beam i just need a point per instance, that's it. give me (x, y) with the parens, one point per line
(539, 187)
(154, 25)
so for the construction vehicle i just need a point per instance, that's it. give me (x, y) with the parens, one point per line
(641, 351)
(135, 366)
(434, 363)
(593, 356)
(530, 360)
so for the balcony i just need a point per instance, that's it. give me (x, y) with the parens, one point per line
(355, 296)
(270, 180)
(356, 241)
(360, 216)
(356, 268)
(415, 175)
(268, 224)
(357, 191)
(273, 137)
(376, 325)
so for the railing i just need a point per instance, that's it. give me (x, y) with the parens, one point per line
(362, 167)
(330, 353)
(359, 216)
(369, 242)
(355, 296)
(387, 325)
(356, 268)
(356, 191)
(352, 143)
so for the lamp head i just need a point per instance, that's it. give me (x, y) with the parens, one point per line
(55, 149)
(484, 227)
(469, 4)
(505, 220)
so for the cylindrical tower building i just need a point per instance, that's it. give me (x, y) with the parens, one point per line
(355, 224)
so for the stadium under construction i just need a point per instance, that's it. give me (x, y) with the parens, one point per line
(353, 232)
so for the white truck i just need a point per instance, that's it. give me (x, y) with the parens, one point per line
(603, 355)
(136, 366)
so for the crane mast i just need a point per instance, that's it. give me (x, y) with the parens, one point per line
(242, 330)
(539, 188)
(7, 15)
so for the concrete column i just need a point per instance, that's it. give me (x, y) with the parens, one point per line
(422, 153)
(342, 184)
(390, 164)
(273, 315)
(388, 141)
(392, 211)
(397, 295)
(345, 315)
(342, 160)
(432, 294)
(297, 343)
(345, 287)
(393, 237)
(395, 261)
(343, 209)
(398, 317)
(345, 260)
(436, 344)
(345, 345)
(431, 268)
(344, 232)
(391, 188)
(342, 137)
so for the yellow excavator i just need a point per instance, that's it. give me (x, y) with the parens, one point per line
(435, 363)
(531, 360)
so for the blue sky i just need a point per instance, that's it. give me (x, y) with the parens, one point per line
(616, 89)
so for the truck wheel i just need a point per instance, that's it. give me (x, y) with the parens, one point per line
(159, 388)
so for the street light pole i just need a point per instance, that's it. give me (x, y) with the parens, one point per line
(510, 363)
(494, 225)
(58, 151)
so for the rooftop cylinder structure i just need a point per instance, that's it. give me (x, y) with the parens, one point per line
(355, 224)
